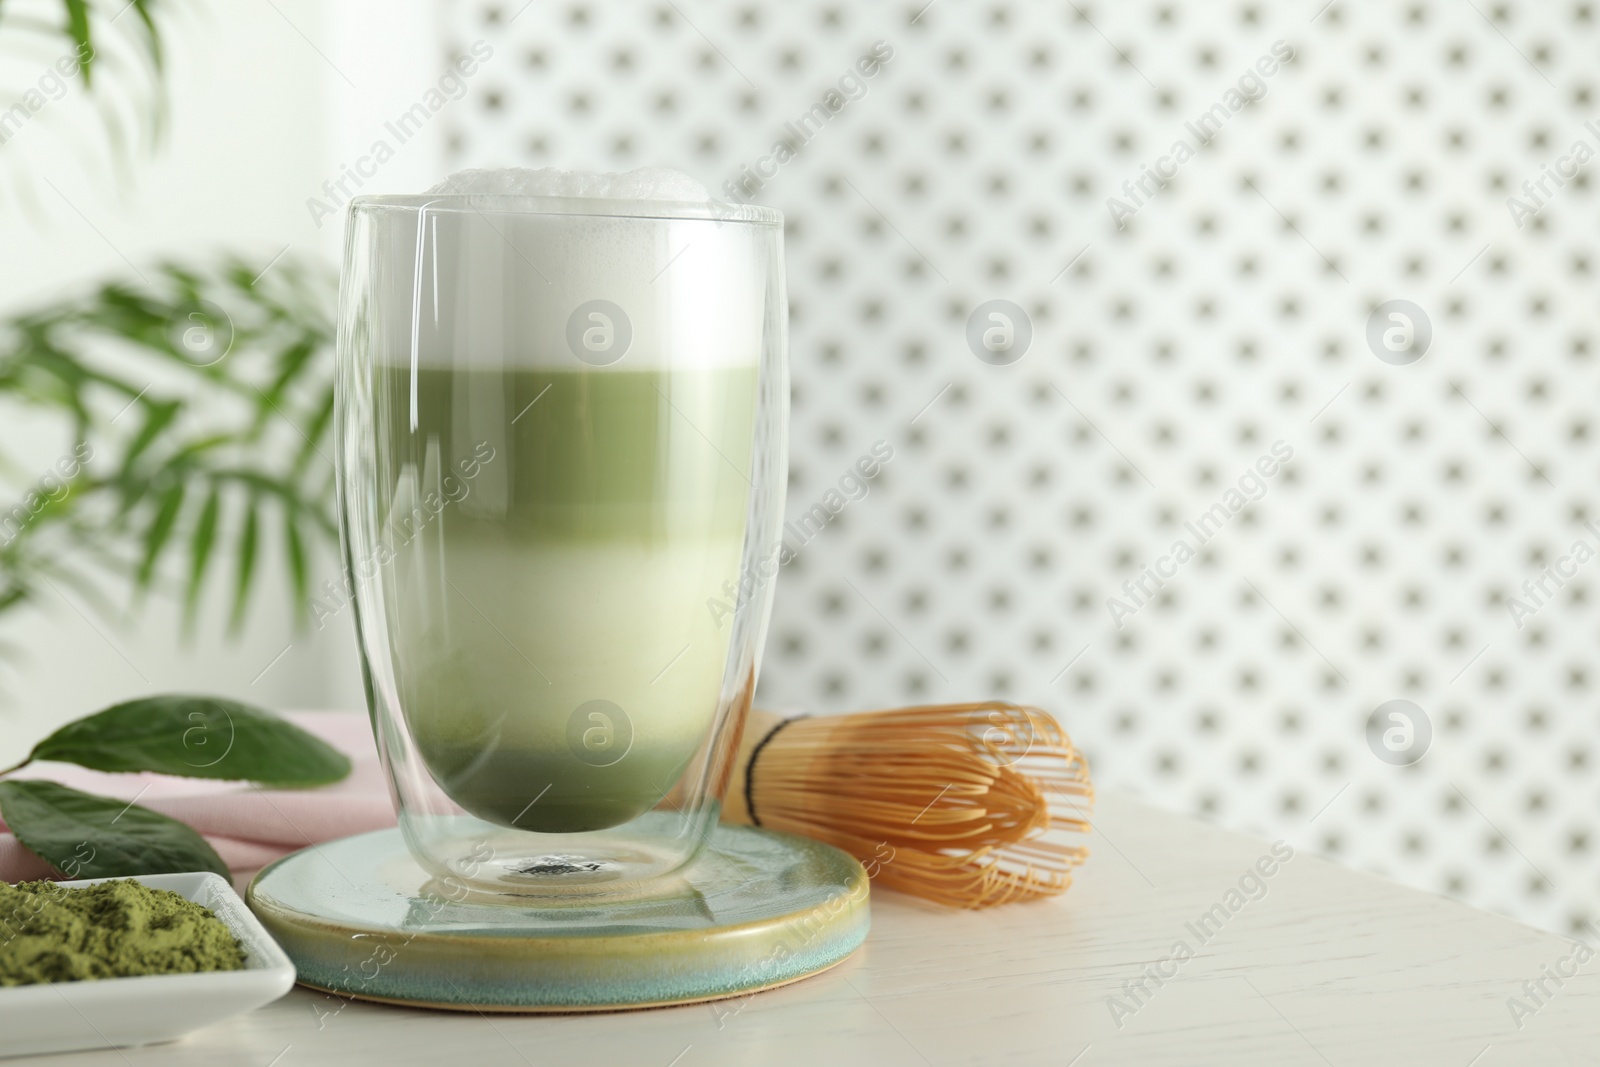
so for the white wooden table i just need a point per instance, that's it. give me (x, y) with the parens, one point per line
(1326, 967)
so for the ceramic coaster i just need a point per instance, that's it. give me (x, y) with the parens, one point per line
(758, 909)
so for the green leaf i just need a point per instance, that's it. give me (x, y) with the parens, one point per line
(197, 737)
(78, 30)
(159, 415)
(314, 430)
(299, 573)
(155, 538)
(85, 836)
(290, 362)
(152, 34)
(249, 537)
(200, 545)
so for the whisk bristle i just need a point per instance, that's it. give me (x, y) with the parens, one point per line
(966, 804)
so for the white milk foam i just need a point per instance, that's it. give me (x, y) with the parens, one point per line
(494, 283)
(645, 183)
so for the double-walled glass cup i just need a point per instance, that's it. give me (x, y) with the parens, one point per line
(562, 427)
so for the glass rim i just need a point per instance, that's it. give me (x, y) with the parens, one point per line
(595, 206)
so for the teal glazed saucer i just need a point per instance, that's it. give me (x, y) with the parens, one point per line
(758, 909)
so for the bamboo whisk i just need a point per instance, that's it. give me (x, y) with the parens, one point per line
(969, 805)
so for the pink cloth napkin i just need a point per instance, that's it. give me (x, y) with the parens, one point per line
(248, 826)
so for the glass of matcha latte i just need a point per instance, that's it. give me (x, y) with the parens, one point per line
(562, 409)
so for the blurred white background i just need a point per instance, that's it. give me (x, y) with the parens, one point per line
(1231, 312)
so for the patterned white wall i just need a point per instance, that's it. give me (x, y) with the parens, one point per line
(1229, 313)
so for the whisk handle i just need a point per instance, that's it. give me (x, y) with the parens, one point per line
(759, 729)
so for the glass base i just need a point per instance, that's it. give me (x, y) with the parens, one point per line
(637, 861)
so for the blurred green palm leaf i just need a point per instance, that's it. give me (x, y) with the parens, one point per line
(203, 400)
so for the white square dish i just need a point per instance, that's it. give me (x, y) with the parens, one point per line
(122, 1012)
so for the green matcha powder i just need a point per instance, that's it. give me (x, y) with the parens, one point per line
(111, 930)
